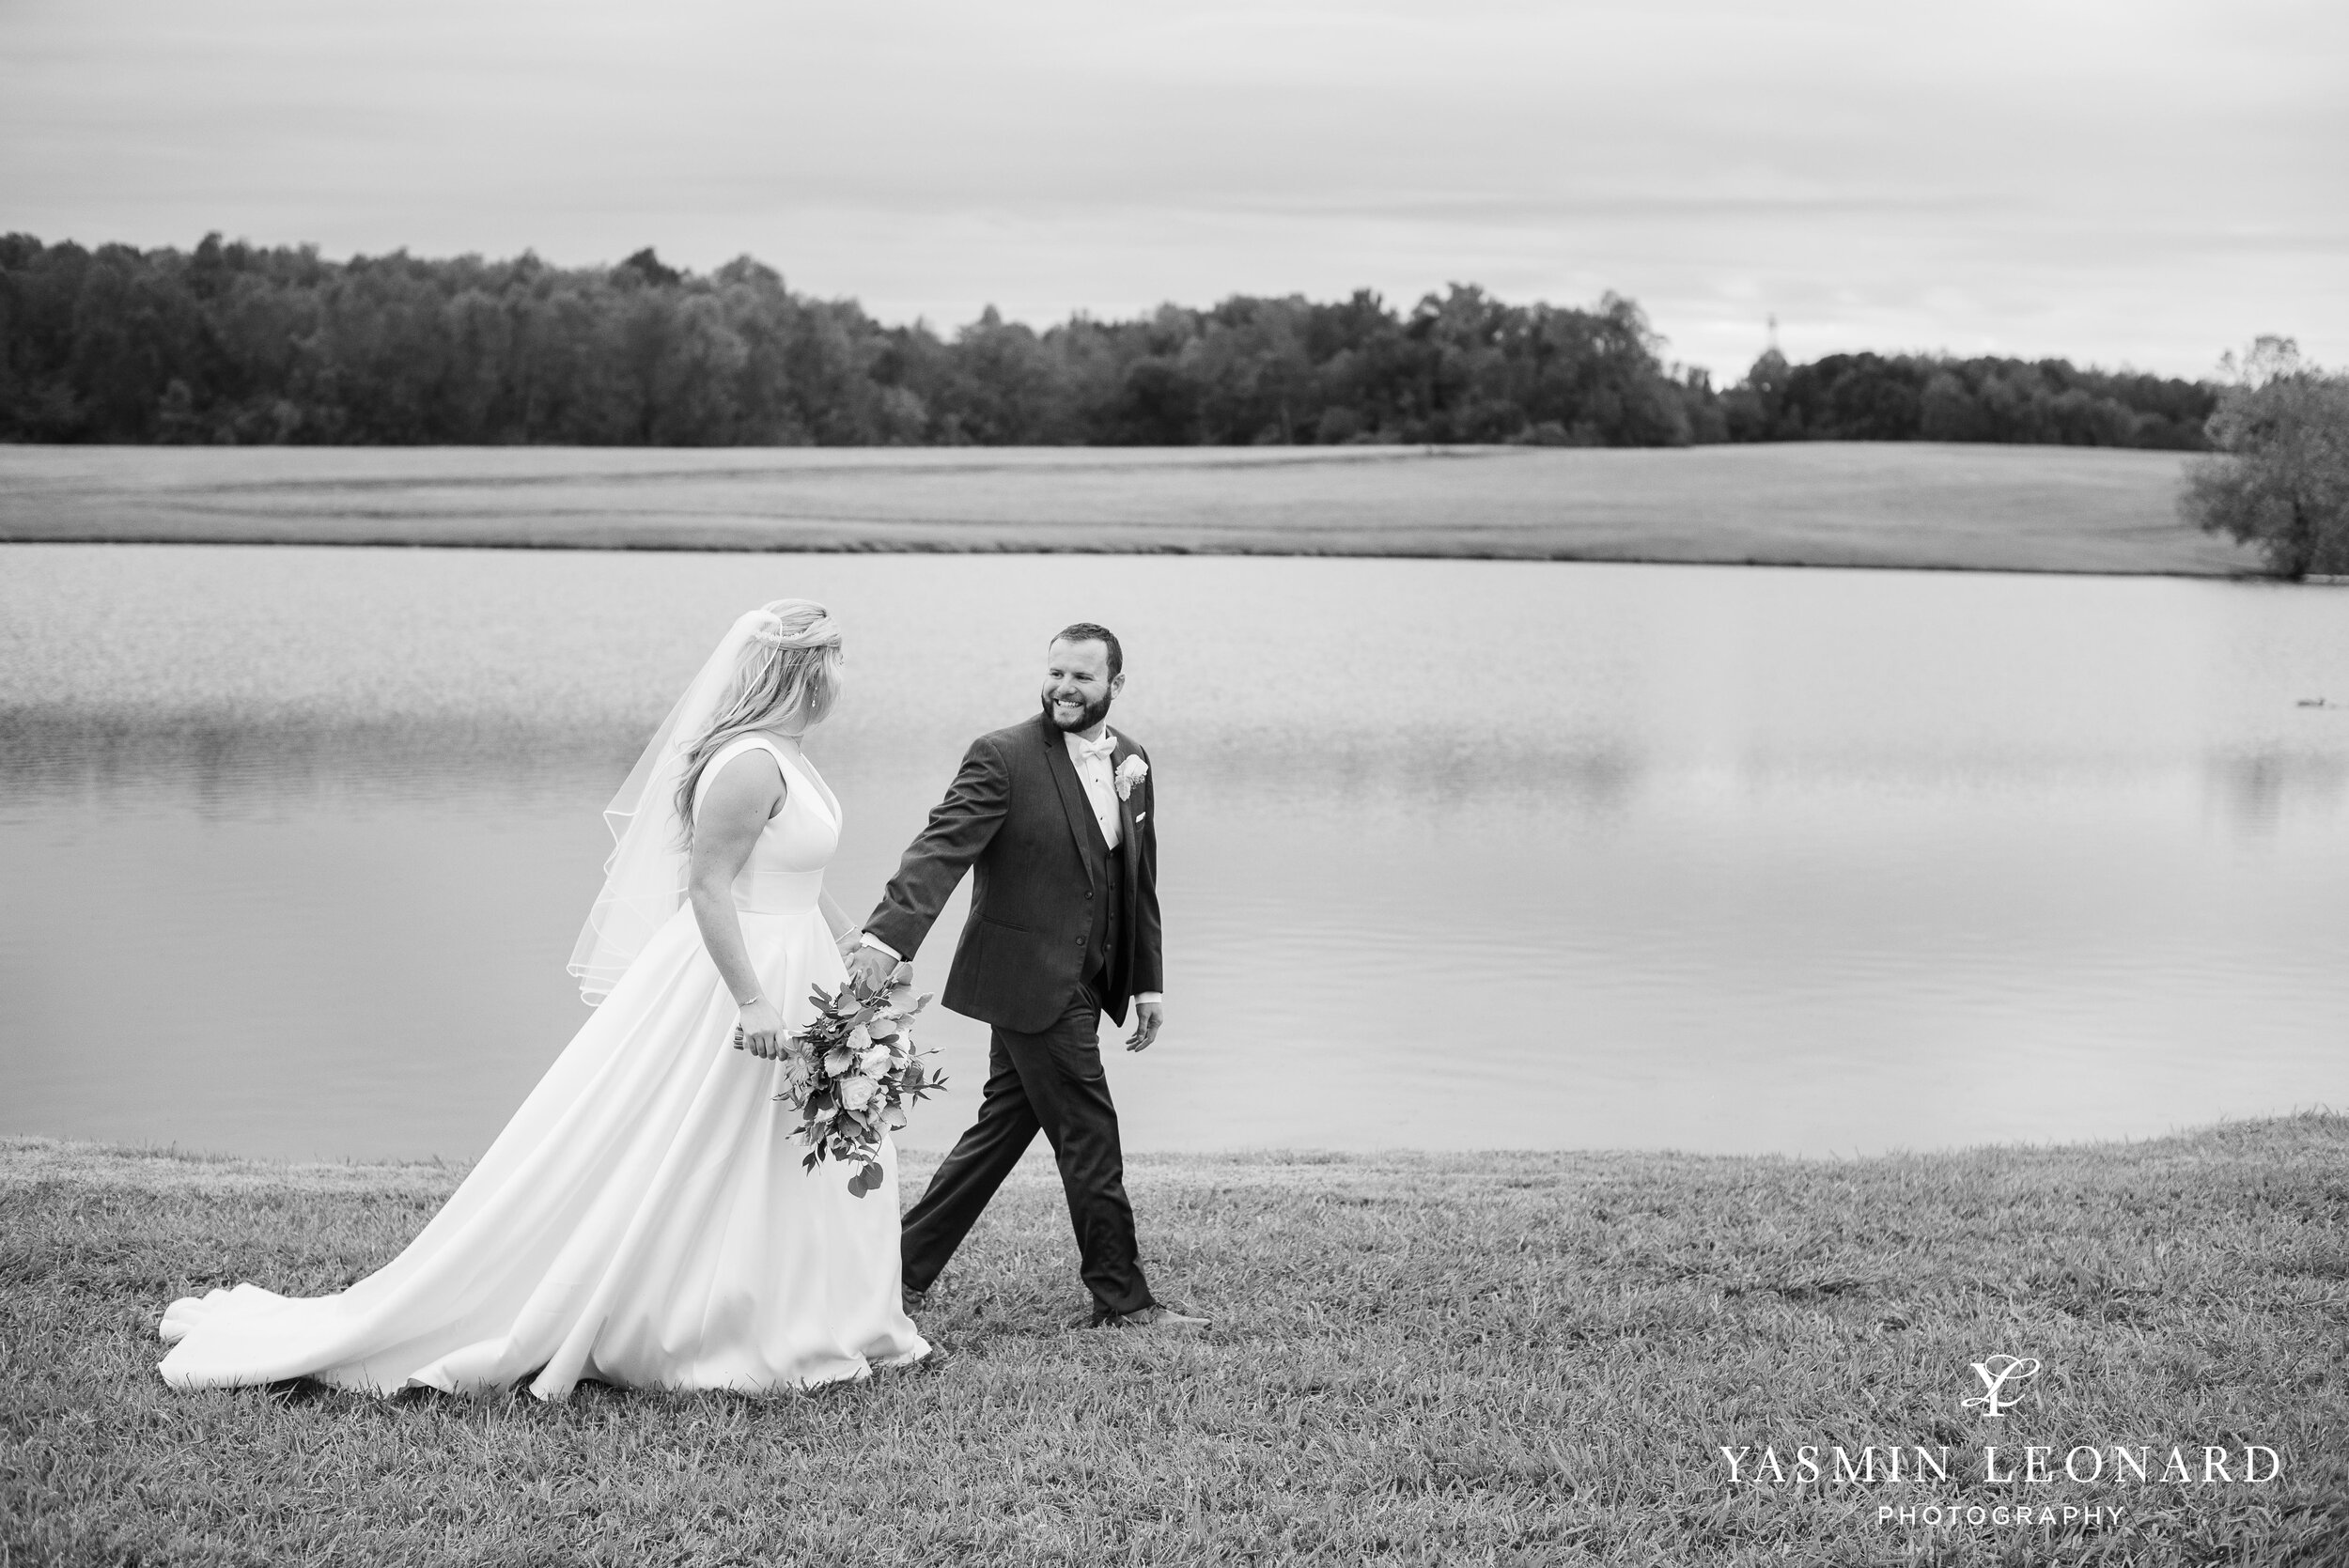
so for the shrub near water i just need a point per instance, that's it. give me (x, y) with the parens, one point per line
(1516, 1358)
(2283, 484)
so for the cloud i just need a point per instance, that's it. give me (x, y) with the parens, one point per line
(2144, 183)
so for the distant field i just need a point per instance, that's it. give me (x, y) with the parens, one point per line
(1827, 504)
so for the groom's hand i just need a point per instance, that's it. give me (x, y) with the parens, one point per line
(870, 968)
(1148, 1016)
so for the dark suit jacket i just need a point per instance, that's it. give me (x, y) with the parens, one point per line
(1017, 815)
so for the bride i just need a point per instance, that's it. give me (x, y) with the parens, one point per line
(643, 1219)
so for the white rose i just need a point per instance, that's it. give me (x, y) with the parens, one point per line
(1130, 772)
(856, 1092)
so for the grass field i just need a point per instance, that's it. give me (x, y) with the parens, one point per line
(1503, 1358)
(1839, 504)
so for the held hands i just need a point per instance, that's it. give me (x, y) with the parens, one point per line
(760, 1032)
(869, 966)
(1148, 1017)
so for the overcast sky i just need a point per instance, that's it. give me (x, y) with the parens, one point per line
(2142, 182)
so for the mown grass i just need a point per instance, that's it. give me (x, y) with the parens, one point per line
(1515, 1358)
(1822, 504)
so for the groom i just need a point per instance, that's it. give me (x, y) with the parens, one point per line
(1055, 816)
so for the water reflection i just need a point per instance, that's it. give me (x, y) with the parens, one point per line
(1455, 853)
(2258, 790)
(227, 762)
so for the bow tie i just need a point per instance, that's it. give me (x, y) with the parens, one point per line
(1097, 751)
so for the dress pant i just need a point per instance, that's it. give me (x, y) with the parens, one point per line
(1050, 1081)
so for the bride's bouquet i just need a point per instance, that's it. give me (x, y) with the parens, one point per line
(853, 1071)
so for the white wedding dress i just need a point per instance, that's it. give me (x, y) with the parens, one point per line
(643, 1219)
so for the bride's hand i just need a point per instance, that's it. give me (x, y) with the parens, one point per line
(871, 970)
(760, 1032)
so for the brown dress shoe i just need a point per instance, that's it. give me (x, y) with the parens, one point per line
(913, 1300)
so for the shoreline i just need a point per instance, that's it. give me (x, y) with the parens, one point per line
(36, 1157)
(1897, 505)
(1269, 552)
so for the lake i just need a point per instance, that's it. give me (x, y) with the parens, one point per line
(1455, 853)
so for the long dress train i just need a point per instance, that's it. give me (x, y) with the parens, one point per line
(643, 1219)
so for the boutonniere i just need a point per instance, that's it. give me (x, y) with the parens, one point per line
(1130, 772)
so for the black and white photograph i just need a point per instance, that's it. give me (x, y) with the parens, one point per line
(1550, 786)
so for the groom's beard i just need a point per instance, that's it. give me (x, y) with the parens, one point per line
(1093, 713)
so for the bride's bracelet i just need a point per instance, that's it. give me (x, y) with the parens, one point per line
(752, 1002)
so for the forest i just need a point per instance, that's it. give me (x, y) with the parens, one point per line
(237, 344)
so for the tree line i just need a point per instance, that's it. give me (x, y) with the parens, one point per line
(235, 343)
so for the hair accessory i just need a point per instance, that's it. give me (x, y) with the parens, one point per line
(770, 631)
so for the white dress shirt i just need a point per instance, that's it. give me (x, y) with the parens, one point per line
(1092, 762)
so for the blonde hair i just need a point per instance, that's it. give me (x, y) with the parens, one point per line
(788, 680)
